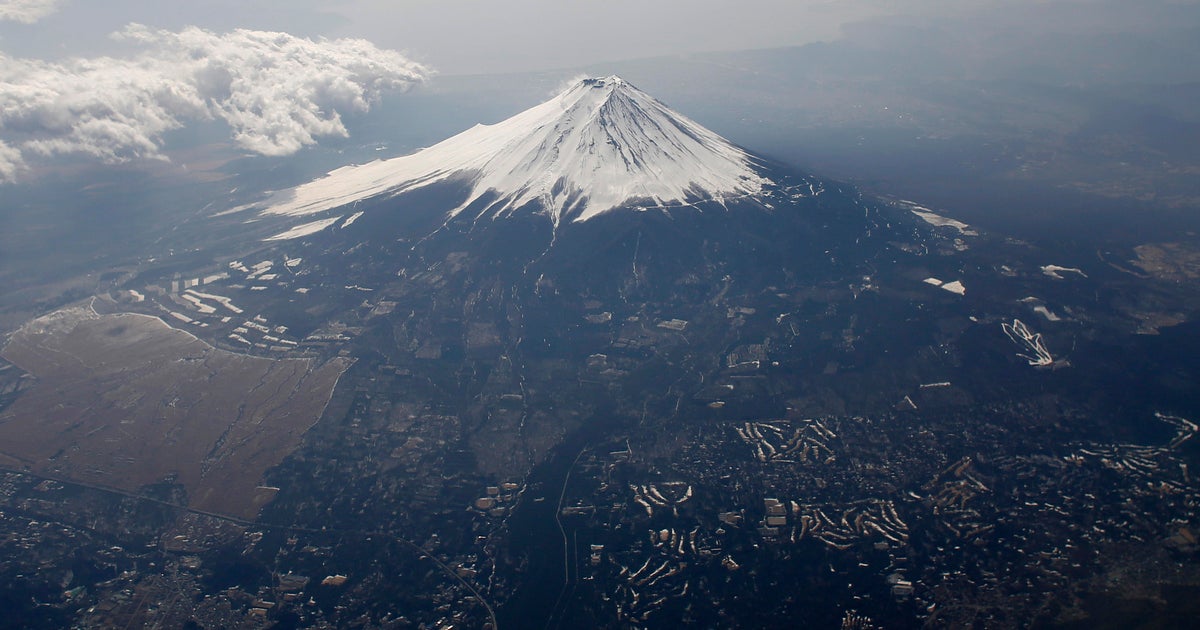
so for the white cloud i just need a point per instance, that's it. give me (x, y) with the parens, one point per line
(26, 11)
(278, 93)
(10, 162)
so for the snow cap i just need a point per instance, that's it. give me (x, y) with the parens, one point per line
(601, 144)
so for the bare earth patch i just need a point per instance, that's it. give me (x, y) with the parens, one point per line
(125, 400)
(1169, 261)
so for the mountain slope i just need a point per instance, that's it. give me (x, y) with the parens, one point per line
(599, 145)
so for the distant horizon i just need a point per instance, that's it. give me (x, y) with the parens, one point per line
(109, 83)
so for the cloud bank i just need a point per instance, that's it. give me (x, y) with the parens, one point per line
(26, 11)
(278, 93)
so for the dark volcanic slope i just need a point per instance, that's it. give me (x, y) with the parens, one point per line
(797, 407)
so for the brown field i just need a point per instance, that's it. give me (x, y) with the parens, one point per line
(1176, 262)
(125, 400)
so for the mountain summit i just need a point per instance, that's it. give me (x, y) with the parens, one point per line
(599, 145)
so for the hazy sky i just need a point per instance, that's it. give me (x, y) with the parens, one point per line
(110, 79)
(466, 36)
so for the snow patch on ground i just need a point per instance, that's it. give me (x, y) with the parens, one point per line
(955, 287)
(937, 220)
(304, 230)
(1033, 349)
(1047, 313)
(1054, 271)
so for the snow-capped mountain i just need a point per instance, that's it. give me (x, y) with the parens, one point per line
(599, 145)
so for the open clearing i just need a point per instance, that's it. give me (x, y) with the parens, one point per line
(125, 400)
